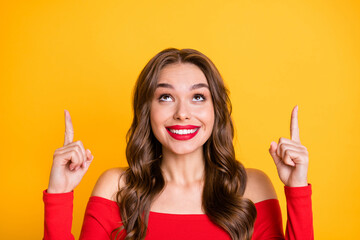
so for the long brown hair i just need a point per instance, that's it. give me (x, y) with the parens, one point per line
(225, 177)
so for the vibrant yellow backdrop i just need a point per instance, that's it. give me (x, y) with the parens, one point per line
(85, 56)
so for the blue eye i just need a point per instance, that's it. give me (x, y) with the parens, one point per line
(199, 98)
(165, 98)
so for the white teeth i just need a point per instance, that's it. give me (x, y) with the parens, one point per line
(183, 131)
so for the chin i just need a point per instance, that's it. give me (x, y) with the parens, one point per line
(184, 150)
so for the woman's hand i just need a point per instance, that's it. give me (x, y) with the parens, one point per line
(291, 158)
(70, 162)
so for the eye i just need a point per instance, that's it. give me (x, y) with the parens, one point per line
(199, 98)
(165, 98)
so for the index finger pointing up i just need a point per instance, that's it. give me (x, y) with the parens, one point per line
(69, 131)
(294, 126)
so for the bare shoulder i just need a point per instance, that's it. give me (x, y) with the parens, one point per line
(109, 183)
(259, 186)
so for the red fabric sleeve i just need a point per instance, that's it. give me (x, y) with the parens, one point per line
(58, 215)
(101, 217)
(299, 226)
(299, 213)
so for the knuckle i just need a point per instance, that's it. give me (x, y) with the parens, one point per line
(282, 147)
(55, 157)
(57, 153)
(287, 152)
(81, 146)
(58, 150)
(81, 156)
(80, 143)
(75, 156)
(77, 148)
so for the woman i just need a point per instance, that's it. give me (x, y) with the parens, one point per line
(183, 181)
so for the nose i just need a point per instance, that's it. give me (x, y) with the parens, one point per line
(182, 111)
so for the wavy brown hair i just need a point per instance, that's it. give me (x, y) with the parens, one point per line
(225, 177)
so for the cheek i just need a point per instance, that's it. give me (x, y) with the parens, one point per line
(156, 118)
(207, 116)
(153, 118)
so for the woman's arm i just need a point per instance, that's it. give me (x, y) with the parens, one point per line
(100, 216)
(299, 213)
(70, 163)
(268, 224)
(292, 161)
(58, 215)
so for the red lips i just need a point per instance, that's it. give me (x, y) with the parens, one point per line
(182, 136)
(177, 127)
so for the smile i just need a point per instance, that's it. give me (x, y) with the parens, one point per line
(182, 132)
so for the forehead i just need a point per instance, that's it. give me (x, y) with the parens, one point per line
(181, 73)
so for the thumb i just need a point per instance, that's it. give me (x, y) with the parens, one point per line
(272, 151)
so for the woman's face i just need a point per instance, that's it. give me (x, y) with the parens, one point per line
(182, 112)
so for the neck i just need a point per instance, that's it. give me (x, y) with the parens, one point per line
(183, 169)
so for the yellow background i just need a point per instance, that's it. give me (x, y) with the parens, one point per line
(85, 56)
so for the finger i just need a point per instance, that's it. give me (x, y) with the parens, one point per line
(88, 162)
(282, 147)
(272, 151)
(294, 126)
(82, 149)
(77, 146)
(72, 158)
(89, 157)
(88, 153)
(69, 131)
(289, 141)
(288, 158)
(76, 161)
(71, 146)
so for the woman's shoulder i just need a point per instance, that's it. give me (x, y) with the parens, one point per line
(109, 183)
(259, 187)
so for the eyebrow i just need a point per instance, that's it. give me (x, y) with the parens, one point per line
(193, 87)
